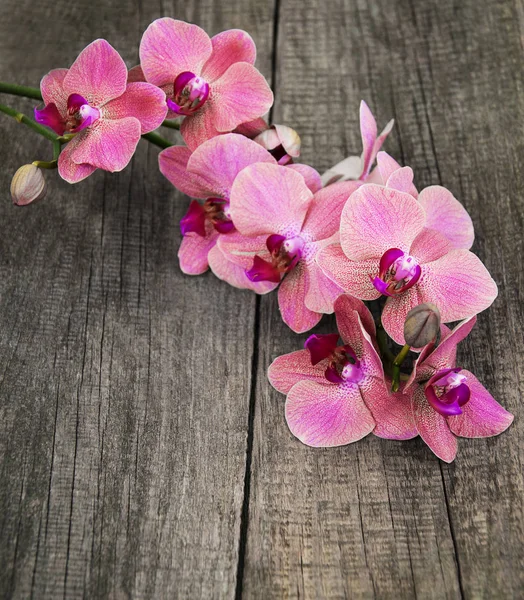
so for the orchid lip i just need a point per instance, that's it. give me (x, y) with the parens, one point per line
(455, 392)
(285, 254)
(398, 272)
(190, 92)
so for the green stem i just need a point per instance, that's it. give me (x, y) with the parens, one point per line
(20, 90)
(157, 140)
(21, 118)
(171, 124)
(397, 363)
(46, 164)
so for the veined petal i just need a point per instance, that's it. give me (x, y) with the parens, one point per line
(229, 47)
(144, 101)
(287, 370)
(67, 168)
(267, 198)
(391, 411)
(173, 165)
(201, 126)
(234, 274)
(429, 245)
(322, 291)
(292, 300)
(99, 74)
(447, 215)
(311, 177)
(402, 180)
(482, 415)
(170, 47)
(326, 415)
(396, 310)
(348, 327)
(194, 250)
(242, 250)
(52, 88)
(371, 144)
(377, 219)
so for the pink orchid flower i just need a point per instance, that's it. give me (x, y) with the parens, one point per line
(281, 141)
(208, 174)
(386, 249)
(336, 392)
(444, 213)
(449, 401)
(359, 167)
(93, 100)
(210, 82)
(281, 226)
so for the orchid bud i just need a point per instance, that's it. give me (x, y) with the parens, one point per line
(282, 142)
(28, 185)
(422, 325)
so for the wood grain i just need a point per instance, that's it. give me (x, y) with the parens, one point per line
(143, 453)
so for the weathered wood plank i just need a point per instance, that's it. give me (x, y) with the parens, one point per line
(124, 385)
(382, 519)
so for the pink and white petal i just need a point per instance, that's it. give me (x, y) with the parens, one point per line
(429, 245)
(447, 215)
(267, 198)
(218, 161)
(368, 131)
(240, 95)
(322, 292)
(292, 300)
(353, 277)
(444, 355)
(348, 326)
(170, 47)
(386, 166)
(109, 145)
(52, 88)
(482, 415)
(433, 427)
(194, 250)
(402, 180)
(396, 310)
(459, 284)
(234, 274)
(310, 175)
(229, 47)
(252, 128)
(67, 168)
(348, 169)
(135, 74)
(327, 415)
(323, 217)
(287, 370)
(241, 250)
(173, 165)
(392, 411)
(377, 219)
(379, 141)
(99, 74)
(144, 101)
(201, 126)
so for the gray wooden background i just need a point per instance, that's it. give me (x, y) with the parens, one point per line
(143, 453)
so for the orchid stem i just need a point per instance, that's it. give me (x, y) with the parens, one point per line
(20, 90)
(397, 363)
(171, 124)
(157, 140)
(21, 118)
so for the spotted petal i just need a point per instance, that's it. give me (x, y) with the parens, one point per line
(143, 101)
(287, 370)
(229, 47)
(292, 300)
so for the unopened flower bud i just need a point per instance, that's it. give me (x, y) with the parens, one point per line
(28, 185)
(281, 141)
(422, 325)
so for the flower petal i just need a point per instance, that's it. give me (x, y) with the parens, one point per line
(267, 198)
(348, 327)
(402, 180)
(459, 284)
(170, 47)
(395, 312)
(287, 370)
(323, 217)
(218, 161)
(252, 128)
(355, 278)
(482, 416)
(433, 427)
(143, 101)
(391, 411)
(99, 74)
(201, 126)
(446, 214)
(194, 250)
(429, 245)
(52, 88)
(377, 219)
(229, 47)
(292, 300)
(310, 175)
(348, 169)
(173, 165)
(135, 74)
(241, 250)
(240, 95)
(326, 415)
(69, 170)
(109, 145)
(234, 274)
(322, 292)
(371, 144)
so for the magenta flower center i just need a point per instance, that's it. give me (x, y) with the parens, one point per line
(285, 253)
(190, 93)
(447, 391)
(398, 272)
(344, 365)
(80, 114)
(214, 211)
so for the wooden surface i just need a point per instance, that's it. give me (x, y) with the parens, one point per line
(143, 453)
